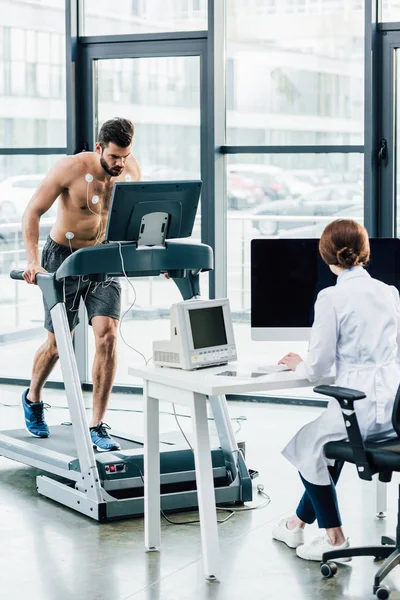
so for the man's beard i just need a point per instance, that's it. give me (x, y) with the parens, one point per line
(113, 172)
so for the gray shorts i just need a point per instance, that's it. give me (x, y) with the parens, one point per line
(101, 299)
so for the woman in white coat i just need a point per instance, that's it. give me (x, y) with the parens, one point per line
(356, 330)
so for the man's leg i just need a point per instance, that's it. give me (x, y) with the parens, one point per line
(43, 364)
(45, 359)
(104, 365)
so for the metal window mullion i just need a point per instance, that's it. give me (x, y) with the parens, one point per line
(32, 151)
(148, 38)
(372, 86)
(331, 149)
(387, 169)
(216, 208)
(143, 49)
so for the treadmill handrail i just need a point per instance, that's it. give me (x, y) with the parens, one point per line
(105, 259)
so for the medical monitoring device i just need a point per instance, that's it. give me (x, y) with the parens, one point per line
(201, 336)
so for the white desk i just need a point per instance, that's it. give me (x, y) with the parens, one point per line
(192, 388)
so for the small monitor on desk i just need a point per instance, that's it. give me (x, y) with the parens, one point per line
(201, 336)
(287, 275)
(150, 212)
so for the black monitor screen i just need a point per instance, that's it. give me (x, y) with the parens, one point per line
(287, 275)
(133, 203)
(208, 327)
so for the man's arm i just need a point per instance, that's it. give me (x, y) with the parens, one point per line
(48, 191)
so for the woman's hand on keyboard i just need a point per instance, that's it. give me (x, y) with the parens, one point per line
(291, 360)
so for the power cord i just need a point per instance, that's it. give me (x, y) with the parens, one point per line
(260, 490)
(197, 521)
(146, 360)
(190, 522)
(266, 502)
(181, 430)
(231, 511)
(133, 410)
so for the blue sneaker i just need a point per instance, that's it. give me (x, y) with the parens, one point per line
(102, 440)
(34, 417)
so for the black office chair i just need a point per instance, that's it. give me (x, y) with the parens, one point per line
(370, 458)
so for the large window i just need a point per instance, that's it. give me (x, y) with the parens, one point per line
(162, 97)
(282, 196)
(32, 117)
(295, 72)
(32, 74)
(285, 196)
(144, 16)
(390, 10)
(294, 77)
(21, 307)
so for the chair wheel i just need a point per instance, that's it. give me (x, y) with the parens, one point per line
(329, 570)
(383, 593)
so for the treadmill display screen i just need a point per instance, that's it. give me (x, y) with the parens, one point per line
(208, 327)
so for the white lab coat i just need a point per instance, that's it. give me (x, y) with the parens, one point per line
(357, 330)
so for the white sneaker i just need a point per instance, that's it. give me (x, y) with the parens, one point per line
(315, 549)
(291, 537)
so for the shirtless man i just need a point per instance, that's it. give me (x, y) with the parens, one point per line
(83, 185)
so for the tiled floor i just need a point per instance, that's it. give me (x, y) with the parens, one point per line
(48, 552)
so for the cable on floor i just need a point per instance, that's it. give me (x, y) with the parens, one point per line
(133, 410)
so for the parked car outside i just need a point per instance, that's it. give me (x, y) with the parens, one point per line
(15, 193)
(323, 201)
(269, 178)
(355, 212)
(243, 192)
(277, 183)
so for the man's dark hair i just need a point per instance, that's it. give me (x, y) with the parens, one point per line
(117, 131)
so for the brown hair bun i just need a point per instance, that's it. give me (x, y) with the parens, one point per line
(344, 243)
(346, 258)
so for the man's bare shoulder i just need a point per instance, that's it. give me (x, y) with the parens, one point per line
(68, 169)
(83, 163)
(132, 167)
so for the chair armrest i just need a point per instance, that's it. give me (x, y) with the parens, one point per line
(346, 398)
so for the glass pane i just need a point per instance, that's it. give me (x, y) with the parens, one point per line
(144, 16)
(282, 196)
(390, 11)
(21, 323)
(295, 72)
(32, 74)
(162, 97)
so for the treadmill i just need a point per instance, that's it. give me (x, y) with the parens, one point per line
(147, 220)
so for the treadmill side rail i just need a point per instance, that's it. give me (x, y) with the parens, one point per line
(23, 451)
(89, 476)
(110, 509)
(69, 496)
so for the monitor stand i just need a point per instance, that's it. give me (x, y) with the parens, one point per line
(153, 229)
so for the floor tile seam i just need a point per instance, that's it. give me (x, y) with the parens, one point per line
(228, 543)
(147, 587)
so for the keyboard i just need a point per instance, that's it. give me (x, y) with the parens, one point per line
(274, 368)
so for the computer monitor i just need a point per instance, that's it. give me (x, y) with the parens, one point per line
(151, 212)
(201, 336)
(287, 275)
